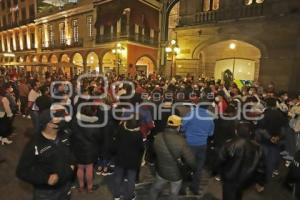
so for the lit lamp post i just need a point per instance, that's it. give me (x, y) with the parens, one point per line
(173, 50)
(118, 51)
(232, 46)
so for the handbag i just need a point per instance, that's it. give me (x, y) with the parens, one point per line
(185, 171)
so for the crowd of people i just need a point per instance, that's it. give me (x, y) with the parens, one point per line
(113, 125)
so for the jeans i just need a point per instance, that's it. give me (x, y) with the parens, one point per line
(232, 191)
(272, 159)
(24, 102)
(119, 180)
(62, 193)
(158, 186)
(200, 155)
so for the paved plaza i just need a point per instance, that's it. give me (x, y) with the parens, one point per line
(13, 189)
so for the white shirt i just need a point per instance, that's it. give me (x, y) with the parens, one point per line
(33, 95)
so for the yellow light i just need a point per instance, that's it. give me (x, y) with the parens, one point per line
(114, 51)
(177, 50)
(119, 45)
(173, 42)
(168, 49)
(12, 55)
(232, 45)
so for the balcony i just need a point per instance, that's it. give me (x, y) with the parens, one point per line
(146, 40)
(17, 24)
(255, 10)
(63, 44)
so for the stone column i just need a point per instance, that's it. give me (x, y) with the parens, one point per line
(28, 38)
(14, 40)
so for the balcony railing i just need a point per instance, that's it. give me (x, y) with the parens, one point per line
(255, 10)
(133, 38)
(63, 44)
(17, 24)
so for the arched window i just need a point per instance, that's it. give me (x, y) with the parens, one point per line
(211, 5)
(248, 2)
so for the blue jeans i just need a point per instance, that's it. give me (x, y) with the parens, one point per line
(159, 184)
(200, 155)
(272, 159)
(120, 174)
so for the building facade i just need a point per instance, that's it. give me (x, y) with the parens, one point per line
(254, 39)
(80, 36)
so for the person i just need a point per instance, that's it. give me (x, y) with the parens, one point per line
(44, 101)
(169, 146)
(197, 126)
(5, 118)
(293, 176)
(85, 145)
(47, 162)
(269, 134)
(32, 96)
(241, 163)
(128, 158)
(23, 92)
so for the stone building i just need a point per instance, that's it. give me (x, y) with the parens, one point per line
(75, 36)
(255, 39)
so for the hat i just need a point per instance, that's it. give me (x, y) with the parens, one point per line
(174, 121)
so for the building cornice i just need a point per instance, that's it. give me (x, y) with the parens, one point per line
(64, 14)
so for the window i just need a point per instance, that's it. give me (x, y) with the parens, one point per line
(51, 34)
(32, 38)
(23, 12)
(31, 11)
(90, 25)
(216, 4)
(75, 30)
(260, 1)
(62, 35)
(206, 5)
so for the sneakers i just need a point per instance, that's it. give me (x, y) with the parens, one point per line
(275, 173)
(106, 171)
(5, 141)
(28, 117)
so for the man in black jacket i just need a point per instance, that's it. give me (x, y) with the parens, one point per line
(241, 163)
(47, 162)
(169, 147)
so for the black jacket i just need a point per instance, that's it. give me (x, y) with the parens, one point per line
(42, 157)
(130, 148)
(85, 141)
(167, 167)
(241, 160)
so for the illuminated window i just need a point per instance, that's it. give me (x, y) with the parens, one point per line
(216, 4)
(206, 5)
(75, 30)
(62, 33)
(89, 20)
(260, 1)
(51, 34)
(248, 2)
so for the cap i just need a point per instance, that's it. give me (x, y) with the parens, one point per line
(174, 121)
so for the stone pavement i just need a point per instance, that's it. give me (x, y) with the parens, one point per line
(13, 189)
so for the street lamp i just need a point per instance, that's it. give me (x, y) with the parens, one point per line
(118, 51)
(173, 50)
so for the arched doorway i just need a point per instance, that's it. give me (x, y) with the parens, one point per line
(241, 58)
(78, 62)
(27, 60)
(145, 65)
(65, 66)
(54, 61)
(92, 61)
(44, 59)
(108, 62)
